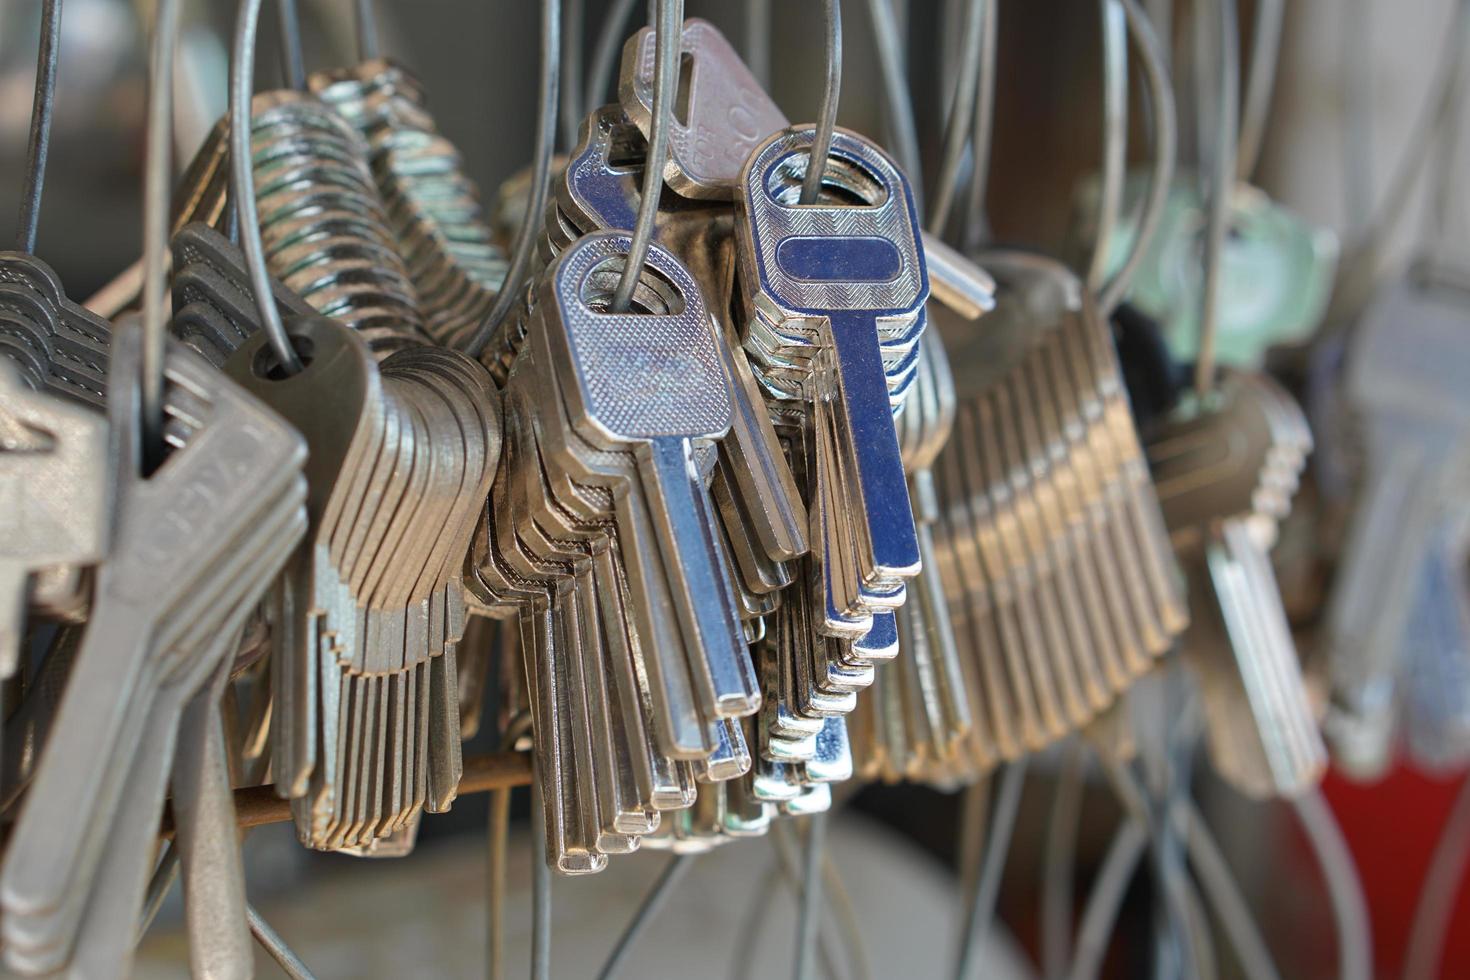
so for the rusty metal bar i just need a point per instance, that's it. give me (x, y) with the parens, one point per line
(259, 805)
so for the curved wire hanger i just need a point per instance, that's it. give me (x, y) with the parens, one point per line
(242, 183)
(524, 249)
(38, 143)
(668, 28)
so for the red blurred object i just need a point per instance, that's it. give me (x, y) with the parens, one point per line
(1392, 827)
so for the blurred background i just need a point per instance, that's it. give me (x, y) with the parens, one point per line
(1352, 84)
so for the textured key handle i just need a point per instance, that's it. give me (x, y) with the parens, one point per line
(67, 345)
(636, 375)
(811, 260)
(728, 112)
(1213, 465)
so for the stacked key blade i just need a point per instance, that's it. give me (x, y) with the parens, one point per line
(602, 536)
(836, 359)
(1051, 547)
(195, 544)
(365, 724)
(324, 226)
(433, 207)
(1226, 470)
(913, 724)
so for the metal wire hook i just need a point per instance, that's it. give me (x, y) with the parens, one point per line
(157, 156)
(293, 62)
(957, 126)
(605, 54)
(668, 30)
(1115, 136)
(1260, 81)
(811, 895)
(368, 46)
(38, 143)
(975, 225)
(656, 899)
(1221, 182)
(524, 249)
(897, 106)
(571, 73)
(272, 943)
(242, 183)
(811, 184)
(518, 727)
(981, 902)
(1160, 107)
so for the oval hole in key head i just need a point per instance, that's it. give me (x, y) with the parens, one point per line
(268, 367)
(845, 182)
(654, 294)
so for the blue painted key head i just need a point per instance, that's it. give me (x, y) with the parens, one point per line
(652, 372)
(857, 249)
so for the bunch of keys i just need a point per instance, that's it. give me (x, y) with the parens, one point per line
(1051, 547)
(1225, 472)
(366, 718)
(1407, 377)
(761, 512)
(214, 311)
(55, 357)
(195, 545)
(602, 535)
(433, 207)
(325, 230)
(58, 346)
(727, 117)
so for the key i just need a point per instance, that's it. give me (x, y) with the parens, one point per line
(860, 287)
(434, 208)
(597, 194)
(214, 306)
(1214, 469)
(172, 531)
(1406, 378)
(323, 225)
(398, 469)
(569, 513)
(59, 506)
(1048, 540)
(629, 698)
(677, 357)
(57, 345)
(917, 731)
(727, 116)
(1436, 722)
